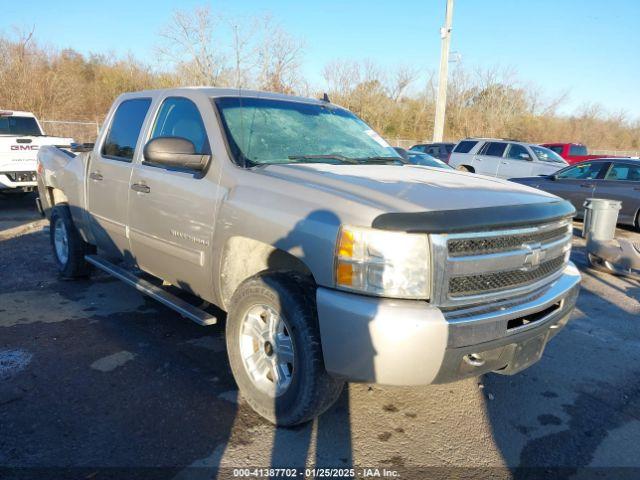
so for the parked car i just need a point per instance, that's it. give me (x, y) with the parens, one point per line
(573, 152)
(611, 178)
(504, 158)
(440, 150)
(20, 138)
(417, 158)
(333, 260)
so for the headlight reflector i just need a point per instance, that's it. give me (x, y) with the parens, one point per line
(384, 263)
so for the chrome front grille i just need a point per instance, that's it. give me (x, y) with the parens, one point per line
(492, 282)
(483, 246)
(480, 267)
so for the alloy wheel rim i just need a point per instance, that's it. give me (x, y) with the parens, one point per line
(267, 350)
(61, 242)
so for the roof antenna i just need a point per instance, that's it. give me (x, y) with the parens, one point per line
(325, 97)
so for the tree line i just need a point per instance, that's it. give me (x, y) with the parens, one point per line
(204, 47)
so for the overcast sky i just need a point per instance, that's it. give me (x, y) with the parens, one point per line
(590, 48)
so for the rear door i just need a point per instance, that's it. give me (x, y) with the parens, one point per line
(172, 210)
(487, 160)
(622, 182)
(109, 174)
(517, 162)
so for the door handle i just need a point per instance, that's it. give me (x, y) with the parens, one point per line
(140, 187)
(586, 185)
(95, 176)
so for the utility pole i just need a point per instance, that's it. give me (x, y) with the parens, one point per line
(441, 102)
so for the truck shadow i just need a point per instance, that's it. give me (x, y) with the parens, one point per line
(332, 429)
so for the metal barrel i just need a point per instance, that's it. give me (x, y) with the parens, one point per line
(600, 218)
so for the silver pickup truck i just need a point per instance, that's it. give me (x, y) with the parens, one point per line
(333, 259)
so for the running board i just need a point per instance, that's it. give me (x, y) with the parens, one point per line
(168, 299)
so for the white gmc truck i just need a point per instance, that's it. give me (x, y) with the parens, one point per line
(21, 136)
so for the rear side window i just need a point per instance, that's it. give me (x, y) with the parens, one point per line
(179, 117)
(125, 129)
(576, 150)
(494, 149)
(465, 146)
(624, 171)
(419, 148)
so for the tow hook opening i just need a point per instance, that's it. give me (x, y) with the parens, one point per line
(533, 317)
(474, 359)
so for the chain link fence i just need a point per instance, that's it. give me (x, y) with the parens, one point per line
(81, 132)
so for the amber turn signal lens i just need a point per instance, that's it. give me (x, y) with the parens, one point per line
(345, 247)
(344, 274)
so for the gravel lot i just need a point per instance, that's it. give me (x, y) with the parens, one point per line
(95, 377)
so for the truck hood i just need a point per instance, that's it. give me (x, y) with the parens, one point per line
(407, 188)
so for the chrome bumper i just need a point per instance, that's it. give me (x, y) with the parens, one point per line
(407, 342)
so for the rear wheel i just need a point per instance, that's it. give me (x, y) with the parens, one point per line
(273, 342)
(68, 246)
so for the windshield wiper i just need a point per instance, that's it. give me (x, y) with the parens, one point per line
(381, 160)
(322, 158)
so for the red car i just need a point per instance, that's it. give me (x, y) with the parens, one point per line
(573, 152)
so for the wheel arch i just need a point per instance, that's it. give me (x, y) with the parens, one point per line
(244, 257)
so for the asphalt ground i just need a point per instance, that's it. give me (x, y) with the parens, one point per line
(97, 381)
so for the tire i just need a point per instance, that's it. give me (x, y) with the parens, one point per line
(64, 237)
(464, 168)
(289, 298)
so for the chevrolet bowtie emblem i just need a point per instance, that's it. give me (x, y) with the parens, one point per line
(534, 256)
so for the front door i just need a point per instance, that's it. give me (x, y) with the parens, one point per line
(171, 210)
(109, 174)
(577, 183)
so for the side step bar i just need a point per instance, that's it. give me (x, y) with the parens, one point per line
(168, 299)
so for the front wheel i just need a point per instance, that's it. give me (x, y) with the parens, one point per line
(68, 246)
(273, 342)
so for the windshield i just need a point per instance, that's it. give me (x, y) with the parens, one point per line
(10, 125)
(547, 155)
(266, 131)
(426, 160)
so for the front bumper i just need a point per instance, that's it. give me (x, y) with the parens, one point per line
(408, 342)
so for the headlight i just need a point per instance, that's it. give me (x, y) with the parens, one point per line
(379, 262)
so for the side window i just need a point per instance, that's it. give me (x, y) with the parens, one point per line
(624, 171)
(418, 148)
(518, 152)
(179, 117)
(124, 131)
(434, 151)
(582, 171)
(494, 149)
(465, 146)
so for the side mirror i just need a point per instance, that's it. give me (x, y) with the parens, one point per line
(176, 152)
(553, 177)
(525, 156)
